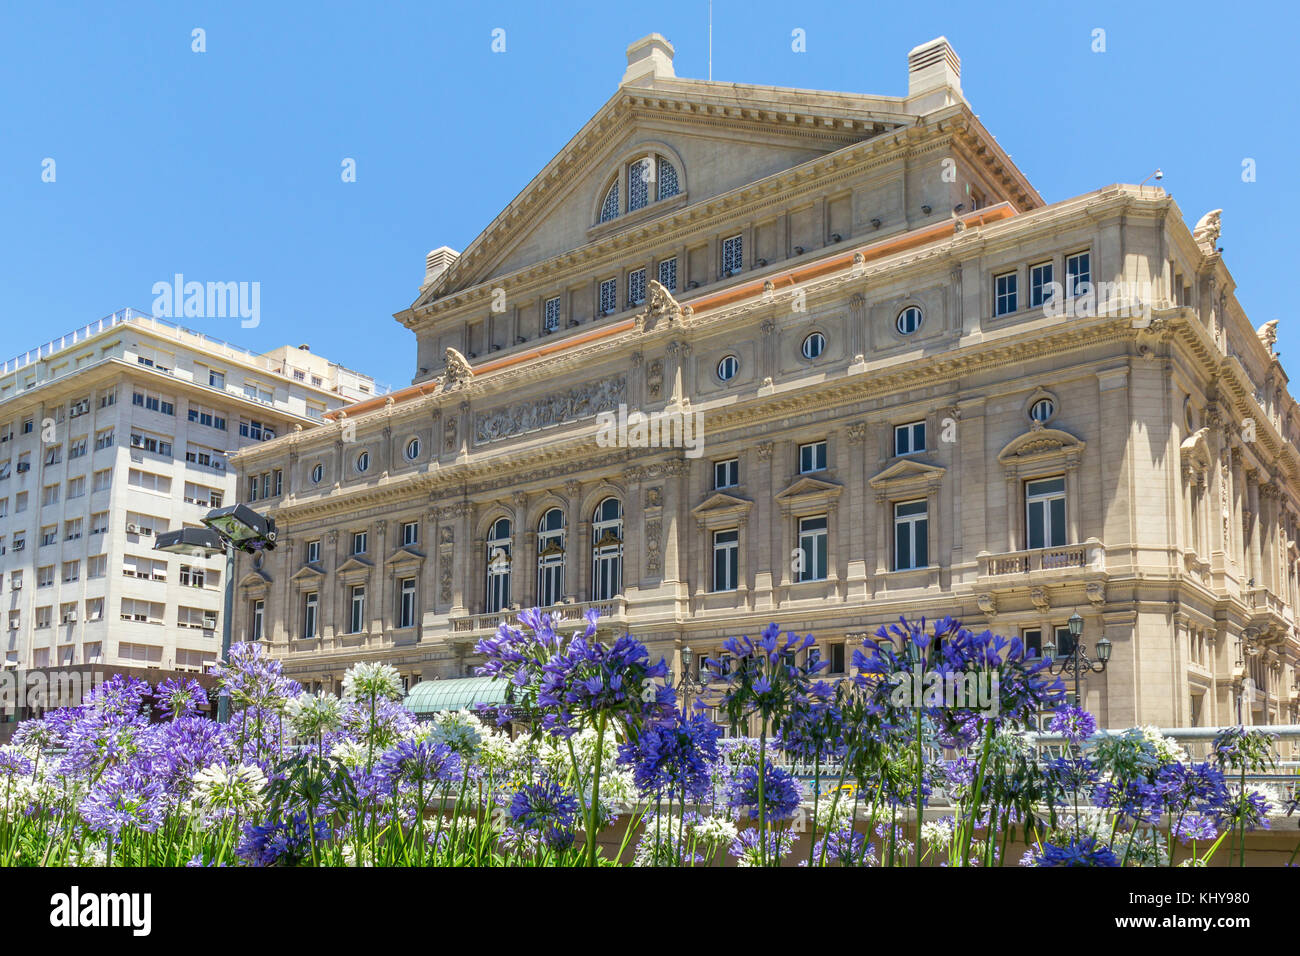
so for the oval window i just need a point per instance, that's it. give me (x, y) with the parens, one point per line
(1042, 410)
(728, 368)
(363, 461)
(909, 320)
(317, 474)
(413, 449)
(814, 345)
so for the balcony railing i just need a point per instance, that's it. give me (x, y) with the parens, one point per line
(563, 615)
(1040, 559)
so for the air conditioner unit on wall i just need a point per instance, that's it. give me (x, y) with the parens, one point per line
(132, 529)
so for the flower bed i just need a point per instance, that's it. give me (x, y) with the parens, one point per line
(611, 772)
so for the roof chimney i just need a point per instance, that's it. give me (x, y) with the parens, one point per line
(933, 66)
(437, 262)
(648, 59)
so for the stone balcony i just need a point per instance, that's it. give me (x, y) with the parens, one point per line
(995, 568)
(613, 613)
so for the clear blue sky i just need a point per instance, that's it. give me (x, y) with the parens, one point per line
(225, 165)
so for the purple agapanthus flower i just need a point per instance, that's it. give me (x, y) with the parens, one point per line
(543, 806)
(1079, 851)
(1195, 826)
(781, 795)
(180, 697)
(125, 796)
(1075, 723)
(277, 843)
(420, 763)
(842, 847)
(673, 757)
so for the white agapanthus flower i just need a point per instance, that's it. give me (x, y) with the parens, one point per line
(228, 791)
(311, 715)
(715, 831)
(349, 753)
(1166, 748)
(460, 730)
(368, 680)
(938, 833)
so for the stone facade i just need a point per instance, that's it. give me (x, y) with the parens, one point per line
(940, 395)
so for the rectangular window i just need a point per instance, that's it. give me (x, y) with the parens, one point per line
(313, 551)
(108, 399)
(202, 415)
(103, 480)
(54, 455)
(151, 443)
(1064, 641)
(357, 609)
(49, 495)
(636, 287)
(193, 576)
(406, 606)
(726, 474)
(72, 529)
(410, 532)
(310, 611)
(1078, 274)
(726, 560)
(1040, 284)
(97, 566)
(99, 522)
(1004, 293)
(812, 457)
(909, 439)
(259, 613)
(836, 656)
(609, 297)
(195, 618)
(1045, 513)
(812, 548)
(358, 542)
(94, 612)
(911, 535)
(103, 439)
(216, 379)
(1032, 638)
(733, 256)
(551, 315)
(668, 274)
(153, 402)
(71, 571)
(77, 447)
(253, 485)
(49, 535)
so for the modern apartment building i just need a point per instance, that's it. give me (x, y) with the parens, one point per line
(109, 435)
(895, 382)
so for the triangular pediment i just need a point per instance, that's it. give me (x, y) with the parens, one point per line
(763, 131)
(355, 563)
(806, 486)
(308, 572)
(904, 470)
(404, 555)
(719, 503)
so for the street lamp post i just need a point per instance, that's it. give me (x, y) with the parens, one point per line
(692, 679)
(224, 531)
(1077, 663)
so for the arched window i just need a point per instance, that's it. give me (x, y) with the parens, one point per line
(609, 209)
(498, 566)
(638, 185)
(550, 558)
(667, 179)
(607, 550)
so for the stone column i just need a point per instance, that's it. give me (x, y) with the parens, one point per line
(575, 558)
(760, 547)
(523, 543)
(853, 541)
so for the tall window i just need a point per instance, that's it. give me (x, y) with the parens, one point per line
(812, 457)
(668, 274)
(259, 612)
(550, 558)
(726, 559)
(357, 610)
(406, 603)
(607, 550)
(733, 255)
(1040, 283)
(910, 438)
(310, 614)
(410, 533)
(812, 547)
(551, 319)
(638, 185)
(609, 296)
(358, 542)
(313, 551)
(1004, 293)
(667, 177)
(636, 287)
(1078, 274)
(726, 473)
(498, 565)
(1045, 513)
(911, 535)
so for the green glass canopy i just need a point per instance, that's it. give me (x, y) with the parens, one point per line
(433, 696)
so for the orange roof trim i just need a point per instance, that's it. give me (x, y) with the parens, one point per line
(788, 279)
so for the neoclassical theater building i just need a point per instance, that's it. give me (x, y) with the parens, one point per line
(742, 354)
